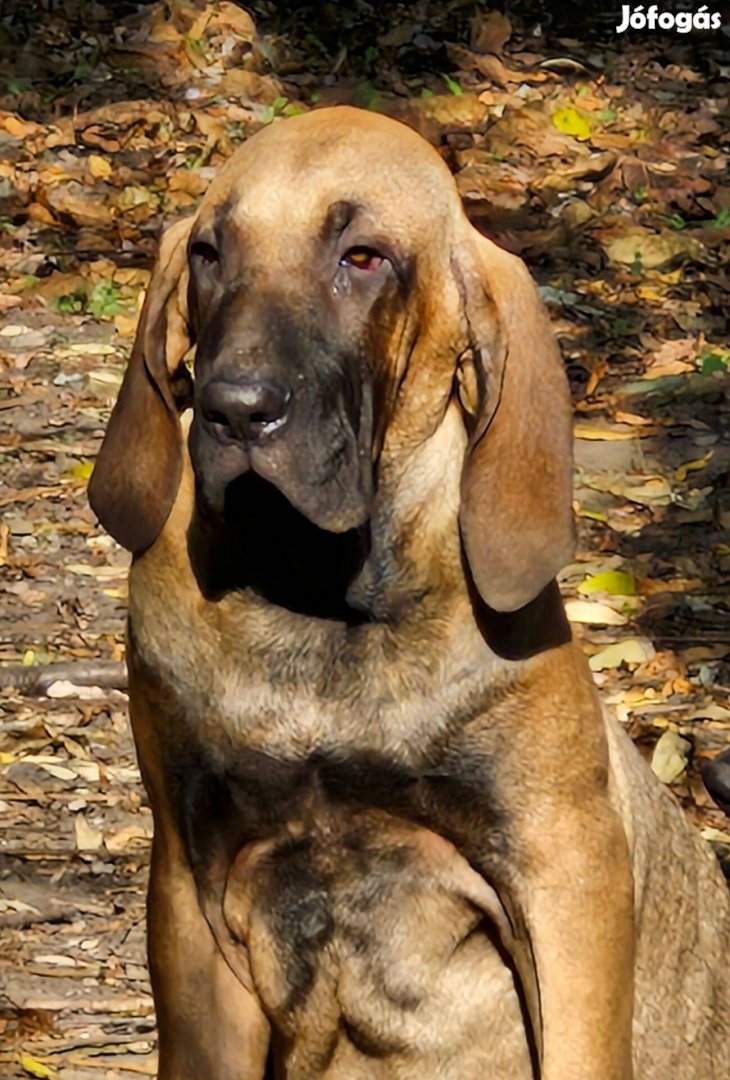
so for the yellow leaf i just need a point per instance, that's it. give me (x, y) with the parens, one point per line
(604, 434)
(28, 657)
(614, 582)
(99, 167)
(593, 515)
(34, 1067)
(6, 757)
(116, 594)
(571, 122)
(83, 470)
(680, 474)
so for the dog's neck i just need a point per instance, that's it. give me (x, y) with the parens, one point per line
(405, 562)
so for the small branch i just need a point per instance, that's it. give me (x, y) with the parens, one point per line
(35, 680)
(21, 920)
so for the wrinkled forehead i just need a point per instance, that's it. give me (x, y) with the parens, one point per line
(287, 178)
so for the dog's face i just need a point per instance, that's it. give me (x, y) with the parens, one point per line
(302, 270)
(339, 302)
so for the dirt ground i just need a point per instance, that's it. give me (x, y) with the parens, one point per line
(602, 160)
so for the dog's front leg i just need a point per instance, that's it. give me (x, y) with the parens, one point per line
(210, 1025)
(559, 858)
(573, 891)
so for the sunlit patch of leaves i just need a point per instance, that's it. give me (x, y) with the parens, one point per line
(102, 302)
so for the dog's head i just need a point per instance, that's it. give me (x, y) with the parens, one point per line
(338, 299)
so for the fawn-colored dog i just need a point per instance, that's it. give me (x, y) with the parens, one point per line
(396, 836)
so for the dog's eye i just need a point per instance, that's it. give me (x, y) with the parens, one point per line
(362, 258)
(205, 252)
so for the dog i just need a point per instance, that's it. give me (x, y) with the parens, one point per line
(395, 834)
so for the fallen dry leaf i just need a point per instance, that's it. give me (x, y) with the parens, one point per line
(585, 611)
(630, 651)
(88, 837)
(670, 756)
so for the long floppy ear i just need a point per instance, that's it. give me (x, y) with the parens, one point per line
(516, 507)
(137, 471)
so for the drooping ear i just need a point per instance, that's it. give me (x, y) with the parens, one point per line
(516, 489)
(137, 471)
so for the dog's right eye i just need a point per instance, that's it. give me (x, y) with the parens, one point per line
(205, 252)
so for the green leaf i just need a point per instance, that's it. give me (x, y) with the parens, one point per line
(613, 582)
(70, 303)
(572, 122)
(104, 300)
(722, 220)
(710, 362)
(452, 85)
(367, 97)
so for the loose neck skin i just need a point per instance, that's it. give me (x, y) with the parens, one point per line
(399, 587)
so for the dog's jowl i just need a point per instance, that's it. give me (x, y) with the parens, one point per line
(396, 836)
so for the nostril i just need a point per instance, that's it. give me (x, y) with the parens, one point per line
(214, 417)
(244, 410)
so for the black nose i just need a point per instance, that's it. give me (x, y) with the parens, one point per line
(245, 410)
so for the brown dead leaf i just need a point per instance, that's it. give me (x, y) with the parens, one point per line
(228, 18)
(125, 324)
(18, 127)
(187, 180)
(491, 32)
(649, 250)
(263, 89)
(83, 205)
(129, 836)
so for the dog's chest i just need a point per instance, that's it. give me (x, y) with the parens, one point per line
(358, 915)
(363, 934)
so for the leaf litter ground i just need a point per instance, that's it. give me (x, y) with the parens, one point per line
(602, 161)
